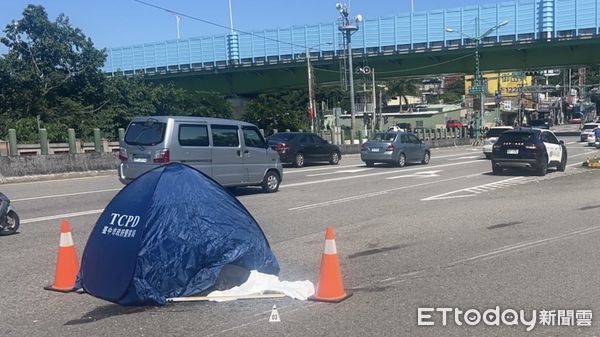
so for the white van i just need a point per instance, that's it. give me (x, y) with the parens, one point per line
(233, 153)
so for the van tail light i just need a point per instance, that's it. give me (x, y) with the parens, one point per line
(390, 147)
(531, 146)
(282, 148)
(162, 156)
(122, 154)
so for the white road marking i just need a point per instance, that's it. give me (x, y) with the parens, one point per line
(519, 180)
(329, 167)
(361, 165)
(459, 158)
(374, 194)
(338, 172)
(569, 143)
(424, 174)
(66, 195)
(63, 179)
(523, 245)
(62, 216)
(376, 174)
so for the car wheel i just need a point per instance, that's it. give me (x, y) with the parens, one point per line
(542, 168)
(496, 170)
(299, 160)
(426, 158)
(334, 158)
(11, 225)
(271, 182)
(488, 155)
(369, 163)
(563, 163)
(401, 160)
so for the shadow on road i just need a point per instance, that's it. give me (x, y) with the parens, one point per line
(106, 311)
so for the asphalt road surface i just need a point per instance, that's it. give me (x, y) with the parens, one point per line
(444, 235)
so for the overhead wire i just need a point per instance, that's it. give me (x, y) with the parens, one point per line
(219, 25)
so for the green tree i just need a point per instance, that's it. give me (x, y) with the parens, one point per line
(51, 70)
(453, 93)
(402, 88)
(282, 110)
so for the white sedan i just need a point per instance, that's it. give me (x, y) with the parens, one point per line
(490, 138)
(591, 139)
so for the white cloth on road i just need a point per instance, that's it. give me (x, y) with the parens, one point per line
(259, 283)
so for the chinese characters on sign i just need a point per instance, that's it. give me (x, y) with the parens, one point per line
(507, 317)
(121, 225)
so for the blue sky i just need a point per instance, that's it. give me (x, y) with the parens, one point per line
(115, 23)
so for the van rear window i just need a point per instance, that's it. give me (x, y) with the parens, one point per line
(147, 133)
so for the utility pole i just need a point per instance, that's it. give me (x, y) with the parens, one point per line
(374, 100)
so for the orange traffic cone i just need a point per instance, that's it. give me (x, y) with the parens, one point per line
(67, 265)
(331, 286)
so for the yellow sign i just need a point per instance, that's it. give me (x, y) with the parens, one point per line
(507, 84)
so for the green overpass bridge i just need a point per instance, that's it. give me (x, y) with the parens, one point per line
(534, 34)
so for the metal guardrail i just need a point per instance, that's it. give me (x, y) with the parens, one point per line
(99, 145)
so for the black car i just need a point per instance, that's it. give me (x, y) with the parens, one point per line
(528, 148)
(299, 148)
(541, 123)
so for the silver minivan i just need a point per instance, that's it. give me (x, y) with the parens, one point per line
(233, 153)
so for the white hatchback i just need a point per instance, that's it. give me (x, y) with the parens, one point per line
(490, 138)
(591, 138)
(587, 129)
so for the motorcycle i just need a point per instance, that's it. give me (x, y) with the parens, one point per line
(11, 225)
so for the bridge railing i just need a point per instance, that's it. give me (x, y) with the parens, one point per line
(527, 20)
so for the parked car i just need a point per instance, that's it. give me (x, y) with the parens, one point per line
(532, 149)
(490, 138)
(591, 138)
(397, 148)
(299, 148)
(231, 152)
(541, 123)
(587, 129)
(453, 124)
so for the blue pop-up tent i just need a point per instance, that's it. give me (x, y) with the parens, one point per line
(169, 233)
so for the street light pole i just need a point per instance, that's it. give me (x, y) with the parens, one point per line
(348, 29)
(311, 93)
(480, 84)
(477, 87)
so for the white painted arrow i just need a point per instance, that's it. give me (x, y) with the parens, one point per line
(338, 172)
(423, 174)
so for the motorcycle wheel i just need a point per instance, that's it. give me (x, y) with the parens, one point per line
(11, 225)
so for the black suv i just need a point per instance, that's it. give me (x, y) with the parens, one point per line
(533, 149)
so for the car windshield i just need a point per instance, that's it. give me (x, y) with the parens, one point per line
(495, 132)
(150, 132)
(538, 122)
(384, 137)
(516, 137)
